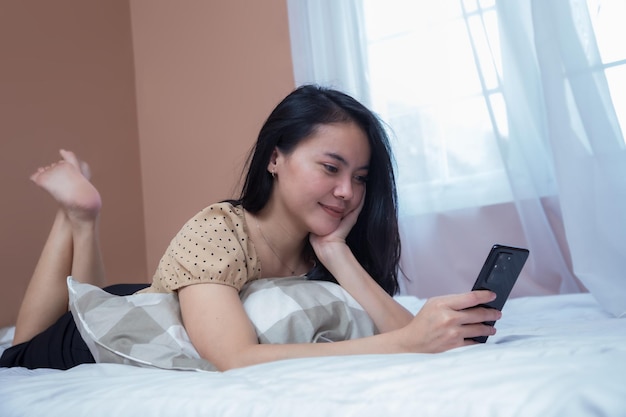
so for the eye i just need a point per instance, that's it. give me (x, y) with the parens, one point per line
(361, 179)
(330, 168)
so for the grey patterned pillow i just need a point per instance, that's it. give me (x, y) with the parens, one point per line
(146, 329)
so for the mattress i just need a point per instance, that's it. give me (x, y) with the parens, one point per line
(558, 355)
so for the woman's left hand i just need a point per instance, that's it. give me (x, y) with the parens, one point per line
(323, 245)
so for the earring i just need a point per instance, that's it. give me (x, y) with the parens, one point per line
(273, 175)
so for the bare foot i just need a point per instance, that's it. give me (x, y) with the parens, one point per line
(71, 157)
(70, 188)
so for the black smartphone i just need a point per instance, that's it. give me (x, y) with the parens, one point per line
(498, 274)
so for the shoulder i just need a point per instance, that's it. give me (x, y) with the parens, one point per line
(212, 246)
(218, 212)
(214, 218)
(223, 222)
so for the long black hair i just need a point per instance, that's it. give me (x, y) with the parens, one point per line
(374, 239)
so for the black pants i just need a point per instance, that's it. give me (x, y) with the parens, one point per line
(60, 346)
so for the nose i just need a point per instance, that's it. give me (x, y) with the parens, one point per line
(344, 188)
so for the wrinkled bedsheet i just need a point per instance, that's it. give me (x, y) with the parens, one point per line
(556, 355)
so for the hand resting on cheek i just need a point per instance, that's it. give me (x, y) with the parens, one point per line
(324, 245)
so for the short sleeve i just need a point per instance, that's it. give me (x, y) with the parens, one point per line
(212, 247)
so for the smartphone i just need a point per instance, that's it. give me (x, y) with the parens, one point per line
(498, 274)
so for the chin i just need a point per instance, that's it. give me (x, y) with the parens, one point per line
(325, 228)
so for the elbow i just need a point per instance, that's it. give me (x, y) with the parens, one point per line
(233, 359)
(226, 365)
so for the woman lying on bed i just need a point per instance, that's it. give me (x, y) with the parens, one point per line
(319, 199)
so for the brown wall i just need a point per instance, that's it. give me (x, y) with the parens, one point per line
(162, 98)
(208, 74)
(66, 80)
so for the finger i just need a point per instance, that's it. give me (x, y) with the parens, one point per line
(470, 331)
(354, 214)
(480, 315)
(362, 203)
(348, 221)
(471, 299)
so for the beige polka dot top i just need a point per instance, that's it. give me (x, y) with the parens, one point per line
(212, 247)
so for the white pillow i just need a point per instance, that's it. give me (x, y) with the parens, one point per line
(146, 329)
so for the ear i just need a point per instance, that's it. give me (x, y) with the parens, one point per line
(272, 165)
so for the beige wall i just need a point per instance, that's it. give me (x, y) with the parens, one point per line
(66, 80)
(162, 98)
(208, 74)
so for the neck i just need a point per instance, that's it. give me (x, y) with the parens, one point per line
(281, 229)
(280, 249)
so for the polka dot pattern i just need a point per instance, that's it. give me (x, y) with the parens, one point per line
(212, 247)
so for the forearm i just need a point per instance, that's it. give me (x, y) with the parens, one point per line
(386, 312)
(262, 353)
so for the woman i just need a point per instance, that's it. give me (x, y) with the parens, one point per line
(304, 209)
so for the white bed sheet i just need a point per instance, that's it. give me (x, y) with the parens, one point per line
(553, 356)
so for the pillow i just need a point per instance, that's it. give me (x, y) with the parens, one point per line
(146, 329)
(297, 310)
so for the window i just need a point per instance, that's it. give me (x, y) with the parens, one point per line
(435, 76)
(607, 19)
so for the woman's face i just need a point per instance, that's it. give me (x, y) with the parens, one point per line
(322, 179)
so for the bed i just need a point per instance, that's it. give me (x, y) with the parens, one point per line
(558, 355)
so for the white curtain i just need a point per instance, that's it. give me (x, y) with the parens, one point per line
(588, 149)
(327, 39)
(556, 182)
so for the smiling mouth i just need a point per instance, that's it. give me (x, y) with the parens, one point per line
(333, 211)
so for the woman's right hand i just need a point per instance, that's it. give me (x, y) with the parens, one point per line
(449, 322)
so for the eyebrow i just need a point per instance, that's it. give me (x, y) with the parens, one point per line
(342, 160)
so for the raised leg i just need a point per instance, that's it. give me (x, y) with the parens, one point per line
(71, 248)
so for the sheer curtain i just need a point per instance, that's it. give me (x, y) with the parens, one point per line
(587, 144)
(327, 39)
(519, 142)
